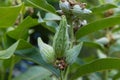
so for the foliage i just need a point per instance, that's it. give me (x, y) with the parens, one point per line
(71, 41)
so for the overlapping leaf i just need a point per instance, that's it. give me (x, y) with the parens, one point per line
(8, 15)
(42, 4)
(97, 25)
(98, 65)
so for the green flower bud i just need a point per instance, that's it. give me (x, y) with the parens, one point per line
(64, 6)
(61, 40)
(77, 10)
(72, 54)
(46, 51)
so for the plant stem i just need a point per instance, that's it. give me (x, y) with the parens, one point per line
(66, 74)
(61, 75)
(2, 74)
(11, 68)
(71, 33)
(105, 75)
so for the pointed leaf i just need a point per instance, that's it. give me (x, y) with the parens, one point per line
(46, 51)
(21, 32)
(35, 73)
(94, 44)
(42, 4)
(8, 15)
(33, 54)
(97, 25)
(5, 54)
(102, 8)
(98, 65)
(72, 54)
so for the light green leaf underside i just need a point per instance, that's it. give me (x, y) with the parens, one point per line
(35, 73)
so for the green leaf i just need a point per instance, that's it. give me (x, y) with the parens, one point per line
(98, 65)
(21, 32)
(102, 8)
(21, 44)
(7, 41)
(50, 25)
(34, 55)
(72, 54)
(94, 44)
(97, 25)
(42, 4)
(5, 54)
(35, 73)
(8, 15)
(7, 62)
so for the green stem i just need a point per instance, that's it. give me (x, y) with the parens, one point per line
(11, 68)
(61, 75)
(66, 74)
(71, 33)
(3, 74)
(105, 75)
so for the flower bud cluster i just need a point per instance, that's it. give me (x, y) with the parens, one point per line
(73, 7)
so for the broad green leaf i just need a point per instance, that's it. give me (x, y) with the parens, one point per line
(5, 54)
(93, 2)
(72, 54)
(21, 44)
(97, 25)
(98, 65)
(7, 41)
(34, 55)
(35, 73)
(8, 15)
(27, 51)
(94, 44)
(7, 62)
(21, 32)
(42, 4)
(102, 8)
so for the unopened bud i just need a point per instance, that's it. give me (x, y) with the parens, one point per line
(77, 10)
(46, 51)
(61, 39)
(64, 6)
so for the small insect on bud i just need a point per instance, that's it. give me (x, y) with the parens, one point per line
(64, 6)
(46, 51)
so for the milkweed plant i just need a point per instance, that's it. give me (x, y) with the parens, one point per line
(59, 40)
